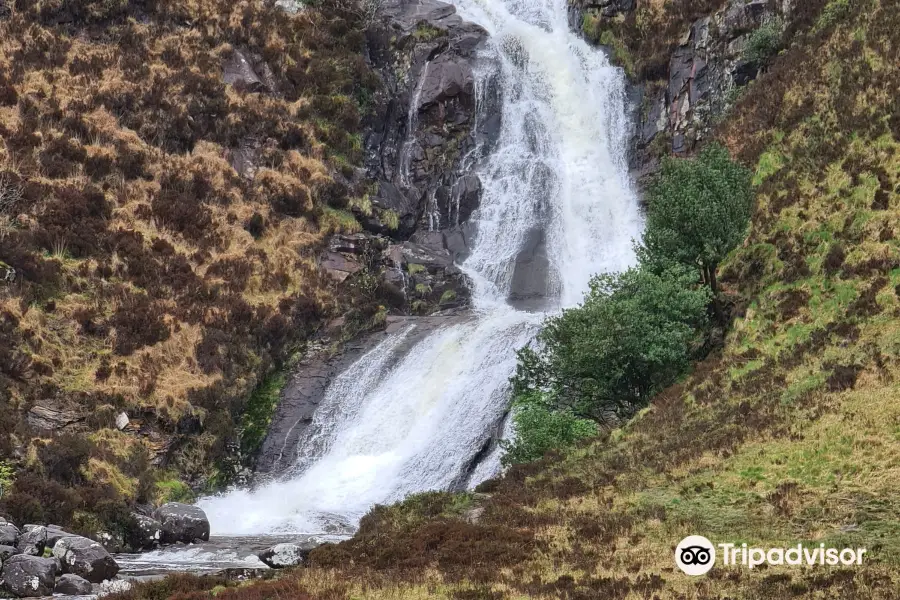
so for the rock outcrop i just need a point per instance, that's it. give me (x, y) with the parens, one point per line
(531, 281)
(425, 122)
(29, 576)
(706, 71)
(85, 558)
(181, 523)
(422, 141)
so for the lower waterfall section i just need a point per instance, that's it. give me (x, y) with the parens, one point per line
(381, 434)
(396, 423)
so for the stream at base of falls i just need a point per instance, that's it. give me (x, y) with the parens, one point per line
(395, 424)
(220, 553)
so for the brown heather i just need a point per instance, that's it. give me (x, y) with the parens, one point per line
(151, 277)
(787, 434)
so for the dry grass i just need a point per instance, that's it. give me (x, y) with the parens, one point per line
(151, 276)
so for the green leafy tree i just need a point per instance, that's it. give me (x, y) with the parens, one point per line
(595, 364)
(699, 210)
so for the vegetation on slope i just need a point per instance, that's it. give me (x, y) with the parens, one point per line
(787, 434)
(636, 332)
(150, 276)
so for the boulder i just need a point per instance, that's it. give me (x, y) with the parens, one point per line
(432, 257)
(280, 556)
(85, 558)
(181, 523)
(122, 421)
(28, 576)
(7, 551)
(9, 534)
(238, 71)
(339, 266)
(33, 540)
(54, 534)
(45, 416)
(445, 78)
(115, 586)
(145, 533)
(73, 585)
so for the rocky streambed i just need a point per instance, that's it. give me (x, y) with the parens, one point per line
(45, 560)
(42, 560)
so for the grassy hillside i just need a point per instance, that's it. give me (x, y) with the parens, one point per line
(788, 434)
(150, 276)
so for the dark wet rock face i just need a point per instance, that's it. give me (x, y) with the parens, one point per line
(531, 281)
(425, 120)
(299, 400)
(28, 576)
(181, 523)
(422, 139)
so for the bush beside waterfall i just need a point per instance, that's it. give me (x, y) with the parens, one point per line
(636, 332)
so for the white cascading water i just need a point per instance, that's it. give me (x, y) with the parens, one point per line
(387, 429)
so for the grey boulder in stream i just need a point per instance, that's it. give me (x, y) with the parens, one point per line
(85, 558)
(29, 576)
(181, 523)
(73, 585)
(280, 556)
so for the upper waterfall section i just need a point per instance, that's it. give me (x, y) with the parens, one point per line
(558, 206)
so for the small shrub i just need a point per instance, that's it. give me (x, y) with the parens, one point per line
(833, 12)
(7, 476)
(65, 457)
(541, 428)
(173, 490)
(259, 411)
(764, 42)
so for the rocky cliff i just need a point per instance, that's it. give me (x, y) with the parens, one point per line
(422, 139)
(707, 58)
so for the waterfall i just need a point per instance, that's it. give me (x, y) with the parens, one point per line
(412, 120)
(402, 422)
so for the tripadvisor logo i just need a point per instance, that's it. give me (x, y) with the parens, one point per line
(696, 555)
